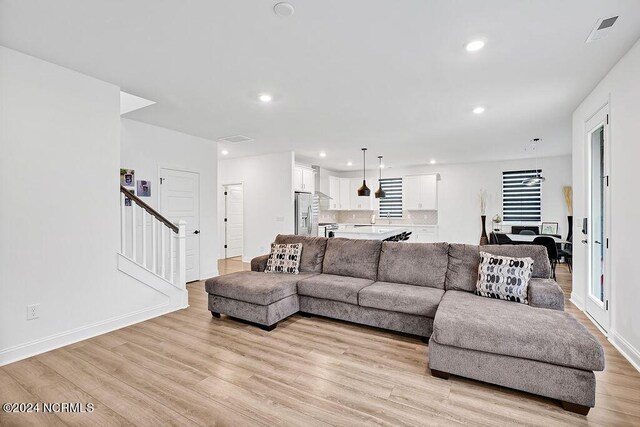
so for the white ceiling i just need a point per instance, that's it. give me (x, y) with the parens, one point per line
(392, 76)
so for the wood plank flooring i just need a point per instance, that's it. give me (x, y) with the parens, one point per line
(187, 368)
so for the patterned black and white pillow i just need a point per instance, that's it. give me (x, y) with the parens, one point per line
(504, 277)
(284, 258)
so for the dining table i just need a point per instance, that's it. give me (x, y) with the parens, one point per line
(528, 238)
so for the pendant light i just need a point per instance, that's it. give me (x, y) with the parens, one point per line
(380, 193)
(538, 179)
(364, 190)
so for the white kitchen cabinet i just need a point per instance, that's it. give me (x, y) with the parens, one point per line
(420, 192)
(303, 179)
(334, 193)
(360, 203)
(424, 235)
(345, 193)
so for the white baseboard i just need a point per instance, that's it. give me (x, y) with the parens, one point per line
(623, 346)
(577, 301)
(52, 342)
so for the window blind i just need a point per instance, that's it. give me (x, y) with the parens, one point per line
(391, 204)
(520, 202)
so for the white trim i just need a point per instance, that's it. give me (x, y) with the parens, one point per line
(42, 345)
(625, 348)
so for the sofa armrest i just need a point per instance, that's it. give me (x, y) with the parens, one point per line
(259, 263)
(545, 293)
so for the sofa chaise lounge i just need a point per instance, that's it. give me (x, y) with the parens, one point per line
(429, 290)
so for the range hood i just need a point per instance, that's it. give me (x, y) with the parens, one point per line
(321, 196)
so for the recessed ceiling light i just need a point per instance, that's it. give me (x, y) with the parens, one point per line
(323, 154)
(283, 9)
(265, 97)
(349, 163)
(474, 45)
(432, 161)
(478, 110)
(382, 166)
(224, 152)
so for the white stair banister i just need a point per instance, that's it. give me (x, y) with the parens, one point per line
(181, 257)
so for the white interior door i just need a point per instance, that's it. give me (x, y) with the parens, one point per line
(180, 200)
(234, 220)
(597, 304)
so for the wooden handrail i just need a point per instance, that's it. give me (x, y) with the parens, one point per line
(149, 209)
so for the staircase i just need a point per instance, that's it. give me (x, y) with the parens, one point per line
(153, 249)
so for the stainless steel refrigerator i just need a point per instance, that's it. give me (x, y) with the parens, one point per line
(306, 215)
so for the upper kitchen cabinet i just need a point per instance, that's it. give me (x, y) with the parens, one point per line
(303, 179)
(339, 191)
(420, 192)
(360, 203)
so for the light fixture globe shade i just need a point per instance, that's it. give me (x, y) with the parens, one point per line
(380, 194)
(533, 181)
(364, 190)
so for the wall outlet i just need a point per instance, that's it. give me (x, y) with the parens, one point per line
(33, 311)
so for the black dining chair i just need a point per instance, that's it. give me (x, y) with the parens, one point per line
(527, 233)
(502, 239)
(406, 236)
(552, 250)
(566, 253)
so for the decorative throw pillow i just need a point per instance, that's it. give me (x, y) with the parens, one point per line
(284, 258)
(504, 277)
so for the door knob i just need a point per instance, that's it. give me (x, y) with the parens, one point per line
(196, 232)
(584, 241)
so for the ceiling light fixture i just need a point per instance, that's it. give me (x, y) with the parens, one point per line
(478, 110)
(474, 45)
(380, 192)
(364, 190)
(283, 9)
(265, 97)
(224, 152)
(323, 154)
(538, 179)
(432, 161)
(349, 163)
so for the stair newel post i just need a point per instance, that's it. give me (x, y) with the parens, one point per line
(181, 257)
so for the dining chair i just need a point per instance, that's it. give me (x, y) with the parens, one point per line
(527, 233)
(567, 254)
(503, 239)
(552, 250)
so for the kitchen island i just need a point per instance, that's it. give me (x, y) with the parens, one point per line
(371, 232)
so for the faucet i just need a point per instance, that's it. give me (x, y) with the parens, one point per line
(388, 218)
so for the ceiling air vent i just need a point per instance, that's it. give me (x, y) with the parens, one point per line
(236, 139)
(601, 28)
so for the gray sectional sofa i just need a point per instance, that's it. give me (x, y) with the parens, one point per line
(428, 290)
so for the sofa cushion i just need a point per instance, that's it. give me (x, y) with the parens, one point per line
(504, 277)
(545, 293)
(333, 287)
(422, 264)
(284, 258)
(254, 287)
(410, 299)
(313, 249)
(462, 269)
(494, 326)
(352, 257)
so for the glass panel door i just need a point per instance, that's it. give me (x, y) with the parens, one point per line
(597, 215)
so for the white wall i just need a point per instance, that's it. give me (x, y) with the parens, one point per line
(460, 184)
(621, 89)
(147, 148)
(59, 218)
(268, 198)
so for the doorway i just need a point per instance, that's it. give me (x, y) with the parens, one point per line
(180, 199)
(233, 220)
(597, 227)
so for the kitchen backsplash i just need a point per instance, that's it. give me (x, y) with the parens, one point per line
(364, 217)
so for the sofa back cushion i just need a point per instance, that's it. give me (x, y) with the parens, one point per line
(313, 249)
(421, 264)
(352, 257)
(462, 270)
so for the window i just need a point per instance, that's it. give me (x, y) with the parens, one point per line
(391, 204)
(520, 203)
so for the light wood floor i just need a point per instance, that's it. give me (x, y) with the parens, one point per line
(187, 368)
